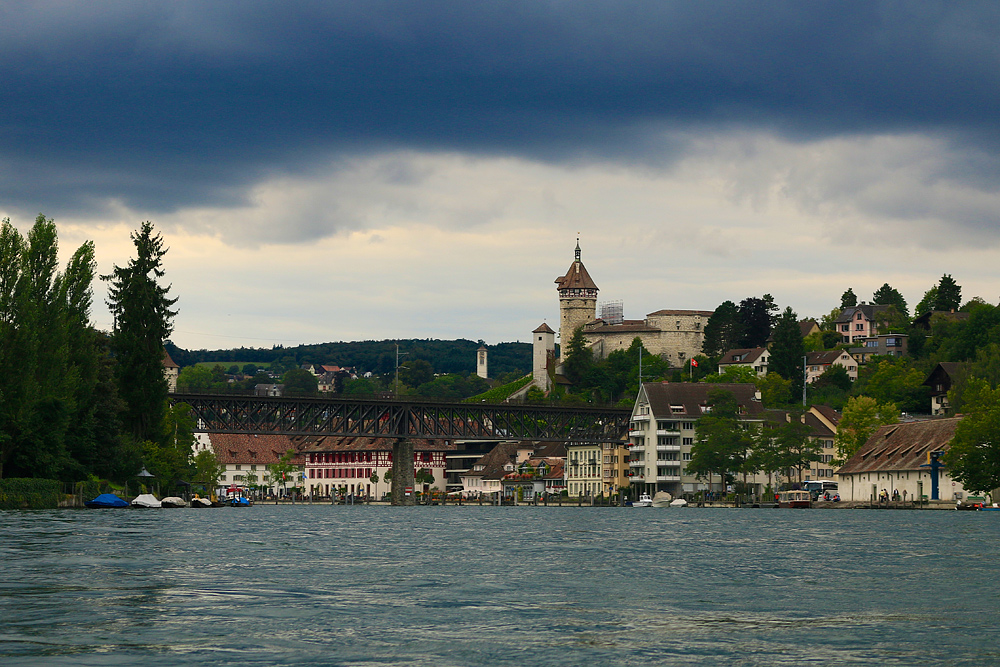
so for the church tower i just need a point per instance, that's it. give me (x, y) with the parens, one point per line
(577, 300)
(481, 362)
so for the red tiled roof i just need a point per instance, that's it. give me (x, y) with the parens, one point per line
(358, 444)
(661, 313)
(246, 448)
(576, 278)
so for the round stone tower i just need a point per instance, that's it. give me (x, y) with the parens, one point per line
(577, 300)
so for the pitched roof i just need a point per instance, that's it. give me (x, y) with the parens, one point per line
(690, 396)
(806, 326)
(543, 328)
(949, 368)
(902, 446)
(242, 448)
(828, 413)
(661, 313)
(869, 310)
(550, 450)
(599, 326)
(924, 321)
(742, 355)
(576, 277)
(823, 358)
(329, 443)
(167, 361)
(493, 462)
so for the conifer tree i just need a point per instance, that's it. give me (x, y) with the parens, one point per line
(723, 330)
(949, 294)
(787, 351)
(848, 299)
(143, 315)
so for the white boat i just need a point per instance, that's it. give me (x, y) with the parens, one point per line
(678, 502)
(644, 501)
(662, 499)
(145, 500)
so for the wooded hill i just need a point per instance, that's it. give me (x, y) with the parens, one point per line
(444, 356)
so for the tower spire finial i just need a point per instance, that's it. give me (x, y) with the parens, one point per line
(578, 248)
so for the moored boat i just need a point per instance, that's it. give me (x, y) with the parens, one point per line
(662, 499)
(106, 501)
(794, 499)
(644, 501)
(173, 501)
(146, 500)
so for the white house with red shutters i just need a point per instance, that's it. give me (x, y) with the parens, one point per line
(348, 463)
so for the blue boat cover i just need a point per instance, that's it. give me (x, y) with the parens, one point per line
(106, 500)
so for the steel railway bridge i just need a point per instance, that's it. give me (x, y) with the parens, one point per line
(403, 420)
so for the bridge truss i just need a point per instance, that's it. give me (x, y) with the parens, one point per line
(404, 419)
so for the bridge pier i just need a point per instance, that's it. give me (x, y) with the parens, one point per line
(402, 472)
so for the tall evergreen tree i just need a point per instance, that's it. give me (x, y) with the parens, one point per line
(848, 299)
(723, 330)
(756, 318)
(143, 315)
(888, 296)
(579, 357)
(949, 294)
(787, 350)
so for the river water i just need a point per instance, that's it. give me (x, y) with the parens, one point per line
(323, 585)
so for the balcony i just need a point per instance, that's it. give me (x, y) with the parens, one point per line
(636, 464)
(668, 448)
(636, 434)
(668, 478)
(673, 431)
(640, 418)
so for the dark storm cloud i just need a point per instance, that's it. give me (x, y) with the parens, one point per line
(161, 105)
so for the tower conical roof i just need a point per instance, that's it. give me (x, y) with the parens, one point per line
(576, 277)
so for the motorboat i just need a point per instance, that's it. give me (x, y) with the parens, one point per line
(678, 502)
(145, 500)
(794, 499)
(198, 501)
(662, 499)
(173, 501)
(644, 501)
(240, 501)
(106, 501)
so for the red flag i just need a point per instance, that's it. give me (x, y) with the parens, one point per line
(694, 362)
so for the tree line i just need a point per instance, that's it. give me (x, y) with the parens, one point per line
(375, 356)
(77, 402)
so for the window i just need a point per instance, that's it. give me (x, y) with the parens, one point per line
(859, 316)
(859, 327)
(686, 456)
(687, 426)
(688, 441)
(237, 466)
(845, 327)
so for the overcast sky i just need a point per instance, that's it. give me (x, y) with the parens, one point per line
(327, 171)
